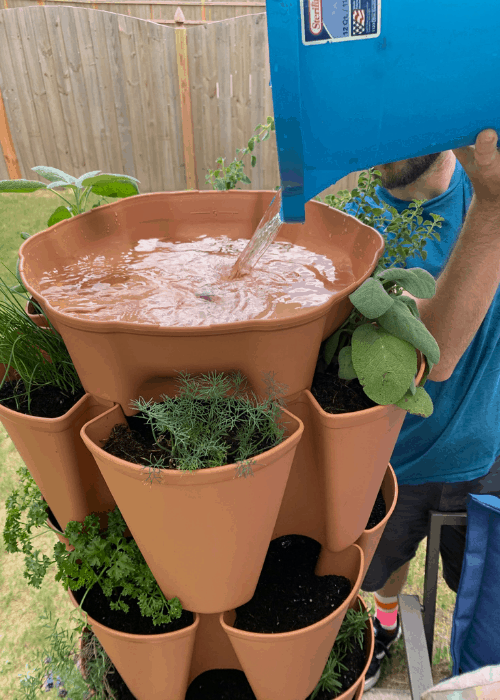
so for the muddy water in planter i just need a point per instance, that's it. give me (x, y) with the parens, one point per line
(167, 283)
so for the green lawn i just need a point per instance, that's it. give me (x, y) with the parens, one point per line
(25, 212)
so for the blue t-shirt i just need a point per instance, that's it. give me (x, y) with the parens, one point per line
(461, 439)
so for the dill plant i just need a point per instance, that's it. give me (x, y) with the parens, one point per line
(352, 632)
(214, 420)
(37, 355)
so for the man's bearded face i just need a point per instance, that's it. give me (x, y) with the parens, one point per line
(405, 172)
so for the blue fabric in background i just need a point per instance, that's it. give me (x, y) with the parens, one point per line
(461, 439)
(475, 635)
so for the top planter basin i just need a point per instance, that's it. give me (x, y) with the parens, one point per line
(115, 359)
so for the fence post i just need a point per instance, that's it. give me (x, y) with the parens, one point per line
(186, 108)
(7, 145)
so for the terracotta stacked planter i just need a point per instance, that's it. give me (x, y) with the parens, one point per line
(154, 666)
(220, 525)
(62, 467)
(308, 485)
(106, 354)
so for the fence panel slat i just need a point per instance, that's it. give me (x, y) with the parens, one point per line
(87, 89)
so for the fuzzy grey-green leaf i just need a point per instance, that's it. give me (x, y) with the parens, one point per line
(385, 365)
(419, 404)
(21, 186)
(418, 282)
(54, 174)
(399, 321)
(371, 299)
(346, 368)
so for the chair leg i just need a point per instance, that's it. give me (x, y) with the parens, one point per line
(419, 667)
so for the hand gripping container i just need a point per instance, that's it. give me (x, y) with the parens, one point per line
(358, 83)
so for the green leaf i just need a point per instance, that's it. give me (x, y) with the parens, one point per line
(60, 183)
(331, 346)
(420, 404)
(116, 188)
(385, 365)
(25, 235)
(107, 177)
(93, 173)
(400, 322)
(250, 145)
(60, 214)
(54, 175)
(246, 179)
(371, 299)
(254, 161)
(20, 186)
(346, 368)
(416, 281)
(411, 304)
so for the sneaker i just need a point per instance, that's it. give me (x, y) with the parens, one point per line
(383, 642)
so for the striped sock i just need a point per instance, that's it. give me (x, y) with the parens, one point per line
(386, 610)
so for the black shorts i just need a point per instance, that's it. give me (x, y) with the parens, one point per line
(409, 523)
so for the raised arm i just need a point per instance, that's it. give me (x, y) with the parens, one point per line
(467, 285)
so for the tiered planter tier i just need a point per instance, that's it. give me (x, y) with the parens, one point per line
(117, 362)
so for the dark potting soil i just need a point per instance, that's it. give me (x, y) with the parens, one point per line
(230, 684)
(53, 519)
(135, 443)
(96, 604)
(378, 512)
(220, 684)
(289, 596)
(46, 401)
(336, 395)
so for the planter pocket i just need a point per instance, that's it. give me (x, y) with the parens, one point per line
(62, 467)
(289, 665)
(208, 526)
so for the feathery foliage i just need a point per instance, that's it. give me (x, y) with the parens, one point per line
(214, 420)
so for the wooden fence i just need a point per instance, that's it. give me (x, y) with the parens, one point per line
(161, 11)
(86, 90)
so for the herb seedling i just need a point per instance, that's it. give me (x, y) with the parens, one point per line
(227, 177)
(352, 632)
(61, 659)
(107, 559)
(377, 343)
(214, 420)
(38, 355)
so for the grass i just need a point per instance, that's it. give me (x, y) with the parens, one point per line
(394, 671)
(21, 631)
(24, 212)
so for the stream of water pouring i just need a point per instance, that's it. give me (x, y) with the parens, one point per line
(264, 235)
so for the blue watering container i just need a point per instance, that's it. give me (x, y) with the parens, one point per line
(358, 83)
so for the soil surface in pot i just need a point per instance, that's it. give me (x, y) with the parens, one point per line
(53, 520)
(336, 395)
(220, 684)
(135, 443)
(96, 604)
(289, 596)
(378, 512)
(46, 401)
